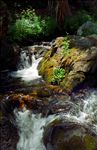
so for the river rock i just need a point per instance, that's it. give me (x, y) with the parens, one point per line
(87, 28)
(69, 136)
(39, 50)
(46, 99)
(79, 63)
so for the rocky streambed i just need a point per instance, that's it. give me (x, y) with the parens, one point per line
(38, 114)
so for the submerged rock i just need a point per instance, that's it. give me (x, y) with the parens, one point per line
(68, 136)
(79, 61)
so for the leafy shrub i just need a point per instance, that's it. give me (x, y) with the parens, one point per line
(72, 23)
(28, 23)
(58, 75)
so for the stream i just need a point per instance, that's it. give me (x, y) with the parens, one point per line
(31, 126)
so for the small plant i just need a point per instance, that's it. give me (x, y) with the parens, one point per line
(66, 44)
(58, 75)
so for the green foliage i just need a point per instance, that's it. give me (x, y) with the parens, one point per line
(58, 75)
(49, 25)
(28, 24)
(72, 23)
(66, 44)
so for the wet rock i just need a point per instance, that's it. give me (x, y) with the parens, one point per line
(79, 62)
(38, 50)
(8, 135)
(69, 136)
(46, 100)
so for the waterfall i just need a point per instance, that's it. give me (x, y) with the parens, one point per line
(31, 126)
(27, 67)
(86, 111)
(25, 60)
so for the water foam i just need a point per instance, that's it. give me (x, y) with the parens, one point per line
(28, 73)
(31, 126)
(85, 113)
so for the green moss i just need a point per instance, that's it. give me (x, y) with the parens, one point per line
(90, 142)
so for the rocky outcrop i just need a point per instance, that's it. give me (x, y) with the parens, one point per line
(68, 136)
(79, 61)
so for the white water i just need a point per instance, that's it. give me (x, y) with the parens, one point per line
(85, 113)
(27, 71)
(31, 126)
(31, 129)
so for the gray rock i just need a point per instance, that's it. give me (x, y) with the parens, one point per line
(87, 28)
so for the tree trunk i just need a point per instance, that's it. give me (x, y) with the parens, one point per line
(51, 7)
(62, 10)
(59, 9)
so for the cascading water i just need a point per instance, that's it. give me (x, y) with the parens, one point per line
(86, 112)
(25, 60)
(31, 126)
(27, 67)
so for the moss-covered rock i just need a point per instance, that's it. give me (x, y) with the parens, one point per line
(68, 136)
(78, 59)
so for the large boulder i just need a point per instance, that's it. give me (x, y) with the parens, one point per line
(68, 136)
(78, 62)
(87, 28)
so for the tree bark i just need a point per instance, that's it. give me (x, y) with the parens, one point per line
(59, 9)
(62, 10)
